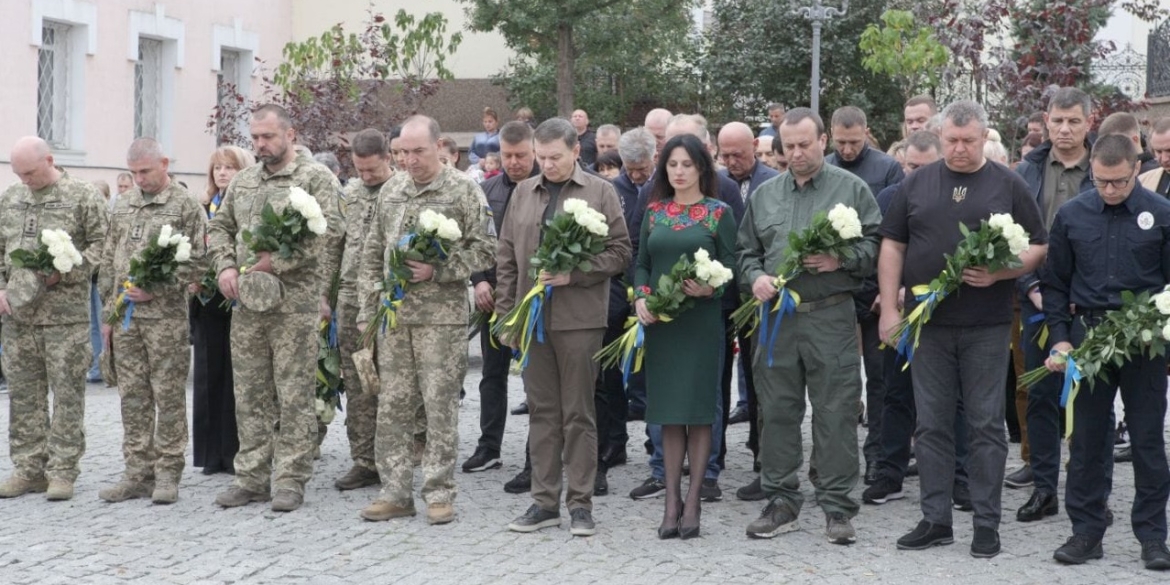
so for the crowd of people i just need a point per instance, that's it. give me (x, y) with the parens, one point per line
(1093, 203)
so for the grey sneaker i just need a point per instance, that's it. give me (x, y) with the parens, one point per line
(125, 490)
(582, 523)
(776, 519)
(839, 529)
(651, 488)
(709, 491)
(535, 519)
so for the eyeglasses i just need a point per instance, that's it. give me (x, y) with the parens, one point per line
(1116, 183)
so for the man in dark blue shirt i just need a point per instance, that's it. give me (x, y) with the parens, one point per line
(1105, 241)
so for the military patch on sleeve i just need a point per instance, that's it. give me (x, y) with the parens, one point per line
(491, 223)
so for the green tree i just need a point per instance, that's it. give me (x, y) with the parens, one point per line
(909, 53)
(759, 51)
(605, 56)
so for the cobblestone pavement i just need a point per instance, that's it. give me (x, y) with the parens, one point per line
(193, 541)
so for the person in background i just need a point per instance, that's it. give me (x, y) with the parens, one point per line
(609, 164)
(775, 116)
(486, 141)
(607, 138)
(491, 165)
(770, 158)
(449, 153)
(214, 437)
(330, 161)
(525, 115)
(94, 376)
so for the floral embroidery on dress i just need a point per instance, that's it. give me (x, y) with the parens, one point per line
(679, 217)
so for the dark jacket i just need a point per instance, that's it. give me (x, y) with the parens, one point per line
(619, 299)
(878, 169)
(760, 173)
(498, 191)
(1032, 169)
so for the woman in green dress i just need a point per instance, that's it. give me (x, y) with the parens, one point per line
(683, 357)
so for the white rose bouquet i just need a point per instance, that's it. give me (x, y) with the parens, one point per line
(1140, 326)
(55, 254)
(666, 303)
(571, 239)
(284, 233)
(429, 243)
(996, 245)
(833, 233)
(158, 264)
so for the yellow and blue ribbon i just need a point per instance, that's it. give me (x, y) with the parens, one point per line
(1041, 337)
(1068, 394)
(391, 302)
(927, 300)
(786, 302)
(126, 303)
(533, 324)
(633, 342)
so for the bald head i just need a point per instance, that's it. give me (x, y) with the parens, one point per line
(737, 149)
(656, 121)
(32, 161)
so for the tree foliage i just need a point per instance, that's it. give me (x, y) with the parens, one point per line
(759, 51)
(608, 57)
(341, 81)
(909, 53)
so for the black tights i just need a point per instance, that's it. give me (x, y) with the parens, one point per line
(694, 443)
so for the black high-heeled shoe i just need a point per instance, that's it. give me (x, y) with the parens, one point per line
(665, 533)
(686, 532)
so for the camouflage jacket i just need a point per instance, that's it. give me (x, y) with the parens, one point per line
(443, 300)
(134, 224)
(306, 277)
(361, 204)
(71, 205)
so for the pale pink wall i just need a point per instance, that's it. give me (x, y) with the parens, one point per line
(109, 75)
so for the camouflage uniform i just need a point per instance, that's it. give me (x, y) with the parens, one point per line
(152, 356)
(274, 356)
(423, 361)
(46, 343)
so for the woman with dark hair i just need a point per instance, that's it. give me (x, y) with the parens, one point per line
(683, 357)
(214, 436)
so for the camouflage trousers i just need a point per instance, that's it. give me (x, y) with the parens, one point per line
(274, 364)
(38, 358)
(152, 359)
(417, 366)
(361, 404)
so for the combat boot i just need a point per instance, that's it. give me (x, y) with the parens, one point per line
(166, 491)
(59, 489)
(358, 477)
(18, 486)
(286, 501)
(235, 497)
(440, 513)
(125, 490)
(381, 510)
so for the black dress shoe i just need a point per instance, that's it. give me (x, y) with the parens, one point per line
(1078, 549)
(635, 414)
(212, 469)
(739, 415)
(613, 456)
(871, 473)
(1039, 506)
(520, 410)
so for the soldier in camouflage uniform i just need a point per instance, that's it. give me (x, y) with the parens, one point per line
(274, 359)
(151, 353)
(424, 359)
(371, 161)
(46, 342)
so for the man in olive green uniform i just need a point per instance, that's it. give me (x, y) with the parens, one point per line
(151, 353)
(274, 358)
(46, 339)
(371, 162)
(424, 359)
(816, 347)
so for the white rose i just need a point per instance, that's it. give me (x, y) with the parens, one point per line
(575, 205)
(75, 255)
(63, 264)
(1147, 336)
(1162, 301)
(164, 236)
(703, 272)
(449, 230)
(317, 225)
(428, 221)
(702, 256)
(598, 227)
(57, 249)
(1000, 220)
(183, 252)
(1166, 331)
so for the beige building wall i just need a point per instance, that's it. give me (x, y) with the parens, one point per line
(98, 43)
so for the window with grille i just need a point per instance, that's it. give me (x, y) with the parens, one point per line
(226, 90)
(148, 88)
(53, 85)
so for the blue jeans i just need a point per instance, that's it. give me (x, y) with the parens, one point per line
(741, 381)
(95, 332)
(658, 471)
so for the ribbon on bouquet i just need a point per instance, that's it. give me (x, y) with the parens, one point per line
(533, 326)
(392, 301)
(786, 302)
(1068, 394)
(1041, 337)
(927, 300)
(632, 350)
(129, 304)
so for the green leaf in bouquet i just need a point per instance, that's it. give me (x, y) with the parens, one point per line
(585, 266)
(963, 229)
(574, 248)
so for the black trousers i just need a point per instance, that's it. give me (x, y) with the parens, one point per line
(493, 391)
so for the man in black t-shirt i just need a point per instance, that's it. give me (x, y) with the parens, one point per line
(964, 348)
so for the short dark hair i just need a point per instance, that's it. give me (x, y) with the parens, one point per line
(515, 132)
(772, 107)
(280, 113)
(704, 164)
(431, 124)
(1114, 149)
(554, 129)
(1070, 97)
(848, 117)
(1036, 117)
(1160, 126)
(923, 99)
(369, 142)
(610, 159)
(1033, 139)
(1123, 123)
(488, 112)
(395, 132)
(449, 144)
(797, 115)
(924, 140)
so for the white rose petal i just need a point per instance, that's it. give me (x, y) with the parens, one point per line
(1162, 301)
(63, 264)
(449, 229)
(575, 205)
(1000, 221)
(183, 252)
(317, 225)
(1166, 331)
(428, 221)
(702, 255)
(164, 236)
